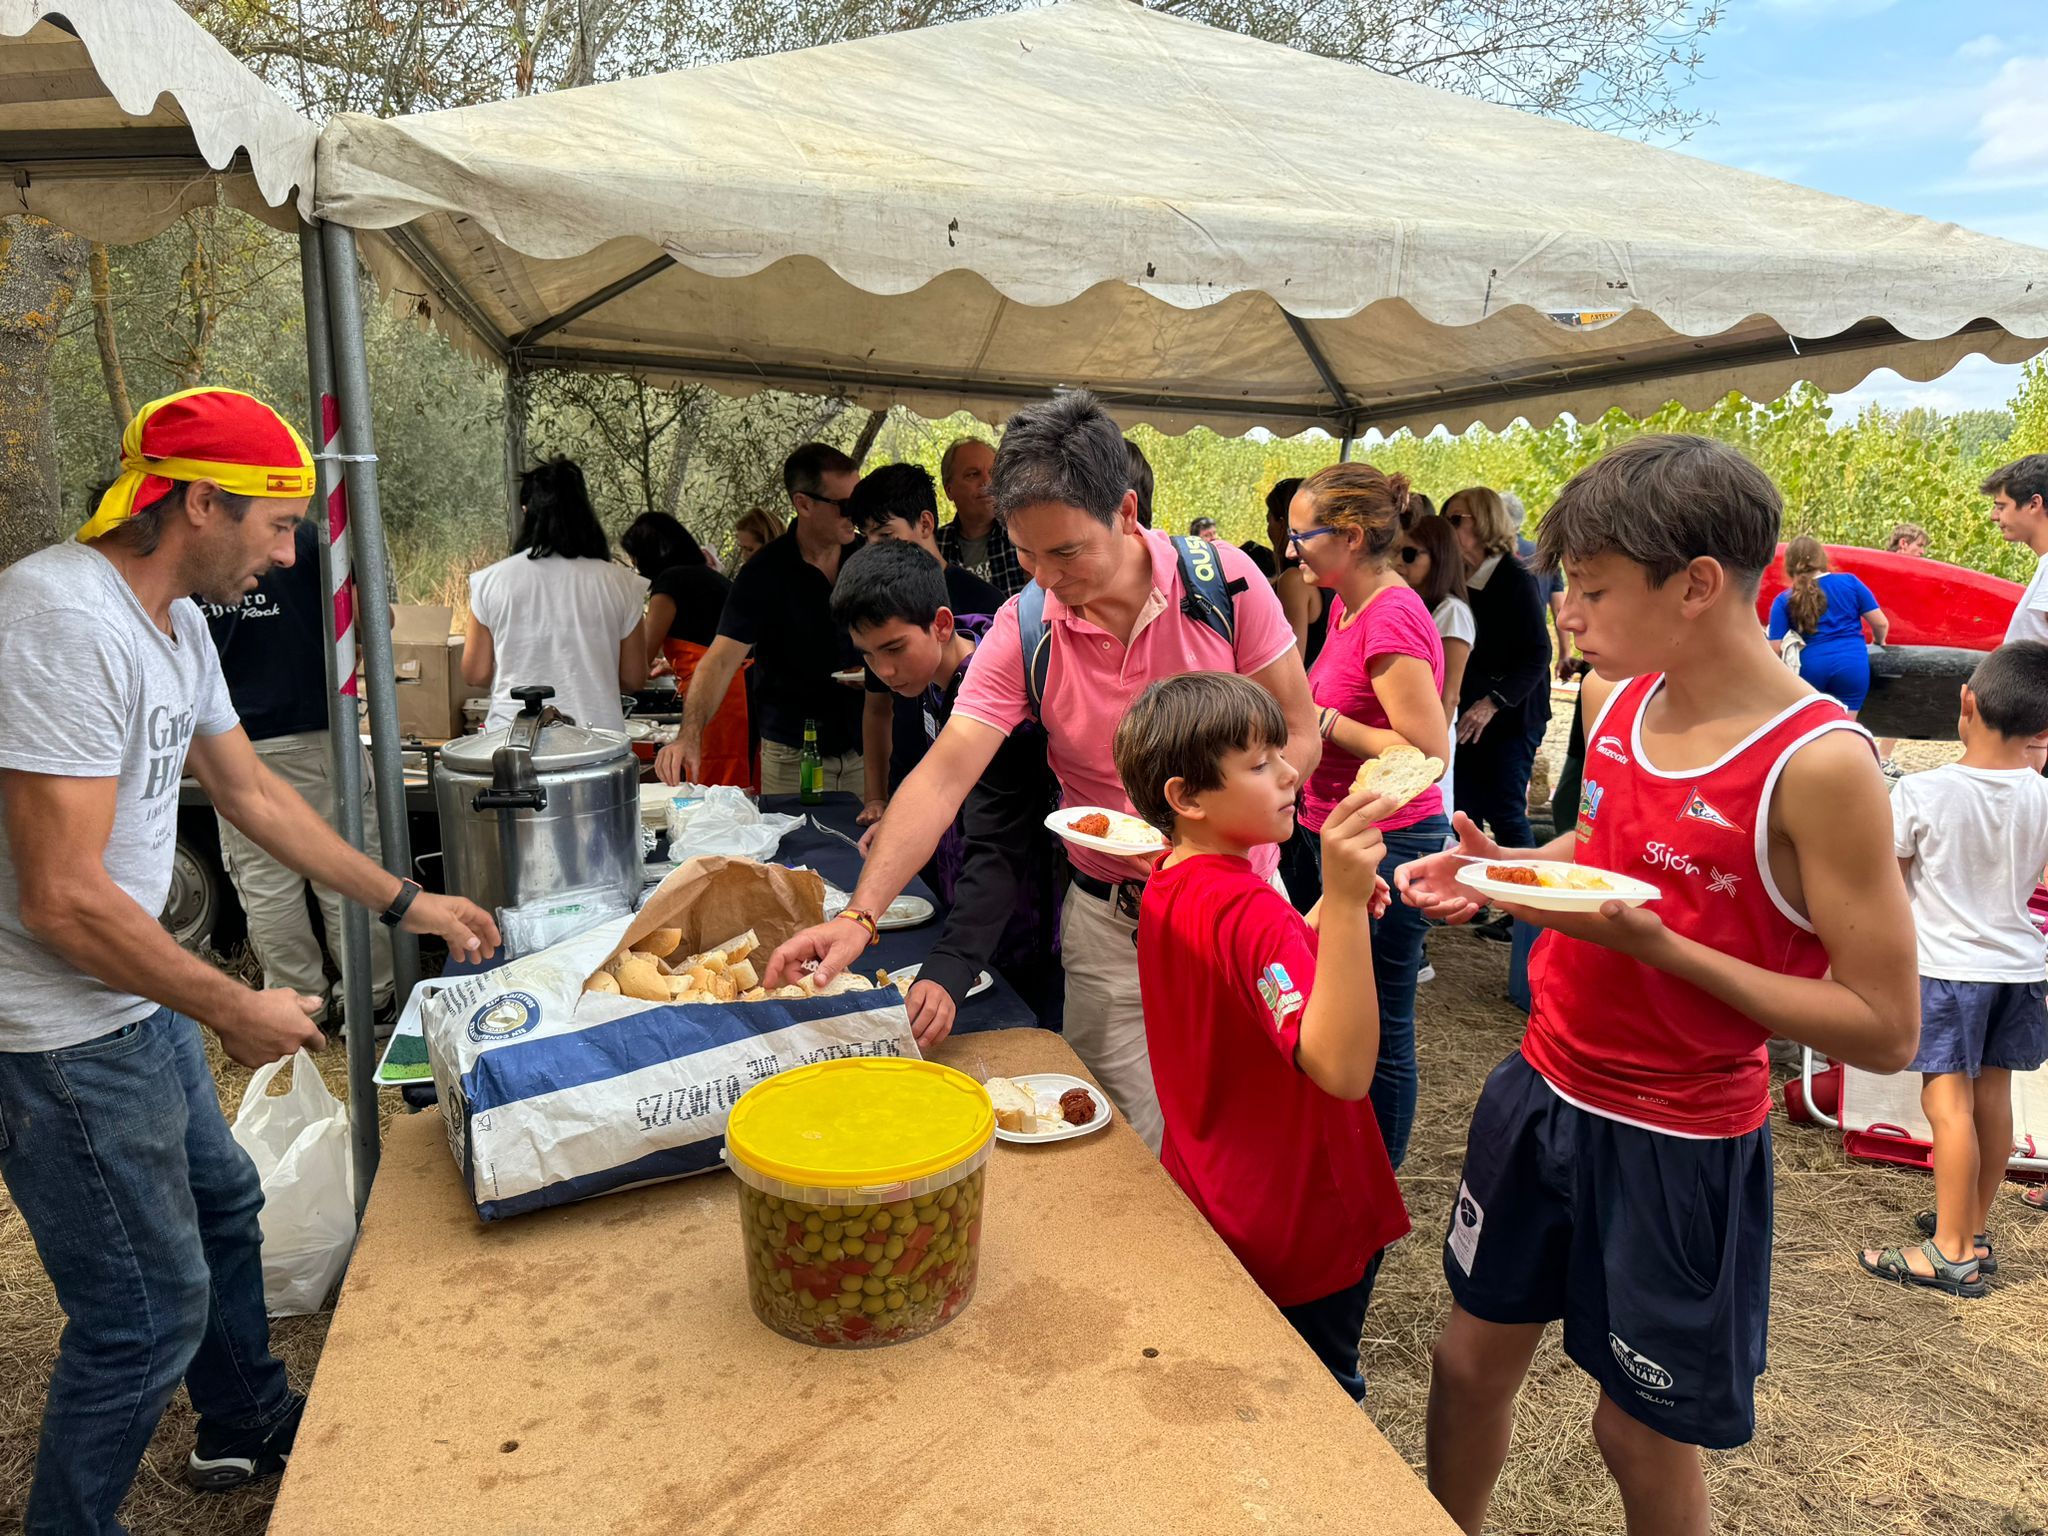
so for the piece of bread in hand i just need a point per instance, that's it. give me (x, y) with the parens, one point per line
(1016, 1108)
(1398, 774)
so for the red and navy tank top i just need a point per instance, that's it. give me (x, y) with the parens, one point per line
(1636, 1044)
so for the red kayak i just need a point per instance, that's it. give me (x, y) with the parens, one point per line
(1928, 602)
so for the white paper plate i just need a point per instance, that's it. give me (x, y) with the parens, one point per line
(1041, 1084)
(909, 973)
(904, 912)
(1627, 890)
(850, 676)
(1129, 837)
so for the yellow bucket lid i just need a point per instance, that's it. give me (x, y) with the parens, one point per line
(869, 1122)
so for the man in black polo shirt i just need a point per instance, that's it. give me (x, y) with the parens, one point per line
(273, 653)
(780, 611)
(896, 504)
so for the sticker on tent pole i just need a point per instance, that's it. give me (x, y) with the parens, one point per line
(1584, 319)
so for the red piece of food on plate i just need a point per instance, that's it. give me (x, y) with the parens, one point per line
(1513, 874)
(1094, 824)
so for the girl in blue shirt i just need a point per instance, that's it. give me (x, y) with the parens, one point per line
(1828, 610)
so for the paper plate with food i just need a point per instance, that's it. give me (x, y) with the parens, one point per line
(1107, 831)
(1549, 885)
(1046, 1106)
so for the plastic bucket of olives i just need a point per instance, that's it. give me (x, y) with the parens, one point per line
(860, 1189)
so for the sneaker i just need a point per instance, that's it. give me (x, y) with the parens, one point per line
(227, 1459)
(1891, 770)
(1425, 975)
(1498, 927)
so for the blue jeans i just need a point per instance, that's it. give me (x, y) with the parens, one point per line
(144, 1212)
(1396, 961)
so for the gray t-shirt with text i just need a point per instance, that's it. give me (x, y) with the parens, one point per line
(90, 688)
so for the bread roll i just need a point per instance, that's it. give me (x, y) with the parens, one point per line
(638, 978)
(743, 974)
(661, 943)
(603, 981)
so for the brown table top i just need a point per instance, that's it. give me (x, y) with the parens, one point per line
(596, 1368)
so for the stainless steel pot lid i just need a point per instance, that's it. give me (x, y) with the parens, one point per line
(558, 747)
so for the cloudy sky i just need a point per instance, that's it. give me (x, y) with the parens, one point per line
(1921, 105)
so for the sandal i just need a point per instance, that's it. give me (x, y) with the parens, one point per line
(2035, 1197)
(1987, 1261)
(1949, 1278)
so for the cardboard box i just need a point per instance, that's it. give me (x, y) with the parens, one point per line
(428, 662)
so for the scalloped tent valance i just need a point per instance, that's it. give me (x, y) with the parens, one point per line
(1201, 226)
(117, 116)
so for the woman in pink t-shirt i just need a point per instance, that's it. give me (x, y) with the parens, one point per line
(1377, 683)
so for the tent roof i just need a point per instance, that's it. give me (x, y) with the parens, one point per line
(1201, 226)
(136, 91)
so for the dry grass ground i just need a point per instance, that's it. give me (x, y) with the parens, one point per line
(1884, 1410)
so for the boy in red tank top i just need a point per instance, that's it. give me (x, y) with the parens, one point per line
(1618, 1172)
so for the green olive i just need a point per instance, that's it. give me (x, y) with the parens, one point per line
(881, 1271)
(903, 1226)
(834, 1230)
(831, 1252)
(872, 1304)
(948, 1196)
(894, 1301)
(942, 1220)
(813, 1224)
(813, 1242)
(901, 1207)
(872, 1286)
(919, 1291)
(893, 1249)
(849, 1282)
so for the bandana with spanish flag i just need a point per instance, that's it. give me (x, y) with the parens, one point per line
(222, 435)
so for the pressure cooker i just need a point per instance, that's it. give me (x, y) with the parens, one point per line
(540, 809)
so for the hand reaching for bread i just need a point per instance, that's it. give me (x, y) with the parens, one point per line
(724, 973)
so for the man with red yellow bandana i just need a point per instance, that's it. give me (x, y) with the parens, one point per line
(112, 1144)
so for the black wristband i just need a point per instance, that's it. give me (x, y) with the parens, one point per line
(394, 914)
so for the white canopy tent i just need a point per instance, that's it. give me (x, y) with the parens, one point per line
(117, 117)
(1200, 226)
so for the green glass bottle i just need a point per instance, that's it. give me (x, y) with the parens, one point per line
(810, 771)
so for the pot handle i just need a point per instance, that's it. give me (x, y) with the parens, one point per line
(514, 785)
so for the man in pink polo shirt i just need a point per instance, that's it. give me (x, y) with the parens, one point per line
(1113, 610)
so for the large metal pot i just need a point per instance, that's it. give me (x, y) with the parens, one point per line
(539, 808)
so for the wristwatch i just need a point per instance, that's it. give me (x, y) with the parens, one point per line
(394, 914)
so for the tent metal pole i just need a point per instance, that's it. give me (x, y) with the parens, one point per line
(1344, 450)
(373, 575)
(343, 728)
(518, 392)
(597, 300)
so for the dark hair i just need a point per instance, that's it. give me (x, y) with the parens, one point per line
(657, 542)
(892, 580)
(1358, 496)
(1064, 450)
(1805, 563)
(804, 471)
(894, 490)
(1182, 728)
(1905, 533)
(143, 529)
(1141, 481)
(556, 517)
(1419, 507)
(2011, 685)
(1281, 497)
(1439, 540)
(1201, 524)
(1663, 501)
(2022, 480)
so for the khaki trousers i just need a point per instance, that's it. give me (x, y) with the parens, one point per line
(1105, 1012)
(782, 768)
(274, 897)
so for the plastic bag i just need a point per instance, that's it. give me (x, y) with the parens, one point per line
(299, 1142)
(726, 822)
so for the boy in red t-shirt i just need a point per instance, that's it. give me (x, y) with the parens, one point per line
(1618, 1172)
(1262, 1078)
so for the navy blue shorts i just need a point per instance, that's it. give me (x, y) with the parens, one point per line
(1840, 669)
(1966, 1026)
(1655, 1251)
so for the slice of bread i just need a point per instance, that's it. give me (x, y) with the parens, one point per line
(1399, 774)
(1016, 1109)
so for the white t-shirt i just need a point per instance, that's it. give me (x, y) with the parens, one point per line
(1978, 839)
(558, 621)
(1454, 622)
(90, 688)
(2030, 619)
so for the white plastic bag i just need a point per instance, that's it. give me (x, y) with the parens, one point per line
(727, 822)
(299, 1142)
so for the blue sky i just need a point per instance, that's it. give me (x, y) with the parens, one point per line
(1920, 105)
